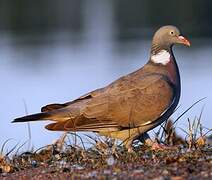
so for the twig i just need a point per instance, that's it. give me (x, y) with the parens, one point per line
(28, 125)
(188, 109)
(76, 135)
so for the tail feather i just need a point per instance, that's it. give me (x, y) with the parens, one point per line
(56, 126)
(33, 117)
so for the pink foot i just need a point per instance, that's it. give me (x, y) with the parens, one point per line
(157, 146)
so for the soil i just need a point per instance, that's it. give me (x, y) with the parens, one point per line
(116, 163)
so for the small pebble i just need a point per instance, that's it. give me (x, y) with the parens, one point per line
(34, 163)
(177, 178)
(165, 172)
(92, 174)
(138, 171)
(43, 172)
(76, 166)
(4, 174)
(110, 161)
(204, 174)
(159, 178)
(57, 156)
(107, 171)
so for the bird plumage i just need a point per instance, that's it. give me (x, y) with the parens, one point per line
(136, 102)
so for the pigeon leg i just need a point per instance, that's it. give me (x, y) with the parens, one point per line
(127, 136)
(153, 144)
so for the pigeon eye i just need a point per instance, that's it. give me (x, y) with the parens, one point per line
(172, 32)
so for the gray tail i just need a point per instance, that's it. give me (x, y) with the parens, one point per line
(33, 117)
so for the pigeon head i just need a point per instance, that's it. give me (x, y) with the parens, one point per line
(166, 37)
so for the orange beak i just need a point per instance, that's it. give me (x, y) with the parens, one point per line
(184, 41)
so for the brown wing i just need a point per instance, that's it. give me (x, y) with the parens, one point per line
(56, 106)
(132, 102)
(126, 102)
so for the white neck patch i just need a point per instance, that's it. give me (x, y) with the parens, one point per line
(162, 57)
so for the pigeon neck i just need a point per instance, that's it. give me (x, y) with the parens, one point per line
(164, 58)
(160, 55)
(156, 48)
(173, 70)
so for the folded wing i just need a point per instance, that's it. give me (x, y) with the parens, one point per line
(128, 102)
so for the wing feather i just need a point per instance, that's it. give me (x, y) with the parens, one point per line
(128, 102)
(144, 101)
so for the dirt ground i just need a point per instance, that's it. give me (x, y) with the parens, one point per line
(185, 158)
(140, 164)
